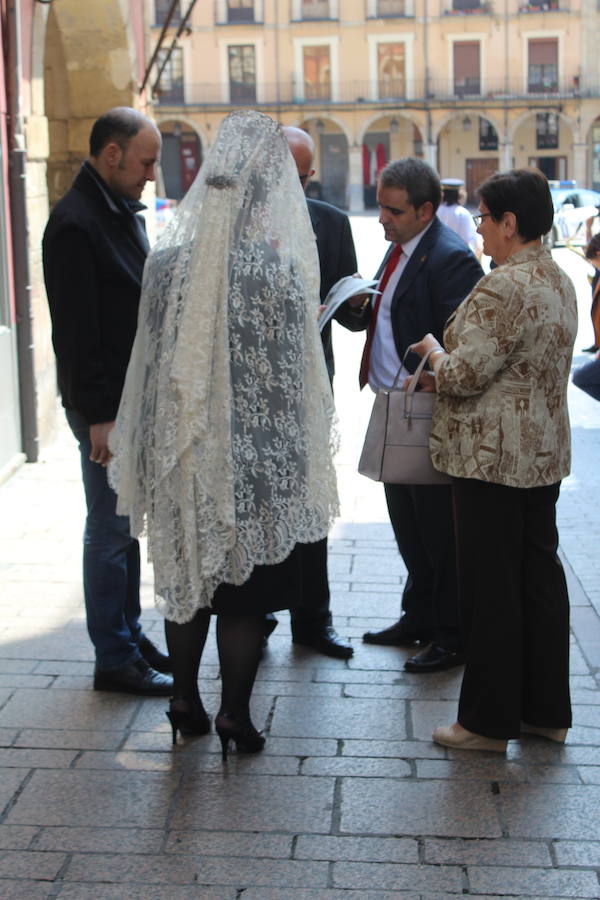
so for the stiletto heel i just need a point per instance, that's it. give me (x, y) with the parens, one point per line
(190, 718)
(245, 737)
(224, 738)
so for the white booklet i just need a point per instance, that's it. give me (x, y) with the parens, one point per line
(341, 291)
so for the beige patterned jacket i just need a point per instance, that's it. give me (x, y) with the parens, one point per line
(501, 413)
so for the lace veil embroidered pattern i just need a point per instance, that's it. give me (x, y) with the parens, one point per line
(223, 441)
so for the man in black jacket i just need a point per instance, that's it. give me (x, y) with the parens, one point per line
(94, 250)
(311, 622)
(424, 276)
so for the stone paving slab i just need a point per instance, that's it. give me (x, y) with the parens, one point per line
(350, 799)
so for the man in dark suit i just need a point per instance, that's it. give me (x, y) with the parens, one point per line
(312, 622)
(94, 250)
(426, 273)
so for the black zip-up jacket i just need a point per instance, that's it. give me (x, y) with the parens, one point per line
(94, 249)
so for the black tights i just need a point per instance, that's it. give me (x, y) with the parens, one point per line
(239, 642)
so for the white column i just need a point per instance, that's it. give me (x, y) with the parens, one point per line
(506, 155)
(356, 202)
(579, 163)
(430, 153)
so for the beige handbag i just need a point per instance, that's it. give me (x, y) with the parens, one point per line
(396, 447)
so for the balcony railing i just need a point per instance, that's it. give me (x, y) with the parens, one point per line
(318, 11)
(539, 6)
(484, 8)
(361, 92)
(389, 9)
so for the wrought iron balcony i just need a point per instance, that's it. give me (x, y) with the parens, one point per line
(391, 96)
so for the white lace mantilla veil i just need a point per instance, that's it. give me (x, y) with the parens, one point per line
(223, 441)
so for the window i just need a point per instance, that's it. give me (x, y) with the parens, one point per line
(466, 68)
(543, 66)
(546, 131)
(161, 11)
(240, 10)
(391, 71)
(170, 85)
(315, 9)
(317, 73)
(488, 136)
(242, 73)
(465, 4)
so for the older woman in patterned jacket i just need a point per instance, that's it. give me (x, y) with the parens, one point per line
(501, 430)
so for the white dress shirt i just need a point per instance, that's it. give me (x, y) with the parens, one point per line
(384, 361)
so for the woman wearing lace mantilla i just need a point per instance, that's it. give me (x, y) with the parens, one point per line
(222, 446)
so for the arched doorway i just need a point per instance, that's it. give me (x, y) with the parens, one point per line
(468, 148)
(181, 158)
(544, 139)
(331, 162)
(387, 138)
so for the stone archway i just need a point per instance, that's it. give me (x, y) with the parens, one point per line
(89, 67)
(85, 57)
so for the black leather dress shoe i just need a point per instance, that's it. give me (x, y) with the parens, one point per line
(153, 656)
(592, 349)
(434, 659)
(396, 635)
(136, 678)
(326, 641)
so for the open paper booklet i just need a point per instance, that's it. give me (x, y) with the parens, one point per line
(341, 291)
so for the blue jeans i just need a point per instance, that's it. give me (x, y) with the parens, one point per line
(587, 378)
(111, 564)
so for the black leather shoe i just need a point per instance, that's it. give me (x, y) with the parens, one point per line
(153, 656)
(136, 678)
(592, 349)
(326, 641)
(396, 635)
(434, 659)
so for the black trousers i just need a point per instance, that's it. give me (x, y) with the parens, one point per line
(421, 516)
(514, 608)
(312, 613)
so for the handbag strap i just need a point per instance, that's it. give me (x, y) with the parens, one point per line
(417, 372)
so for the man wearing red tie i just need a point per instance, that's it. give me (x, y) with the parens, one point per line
(425, 275)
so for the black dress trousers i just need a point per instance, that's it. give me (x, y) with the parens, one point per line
(421, 516)
(514, 608)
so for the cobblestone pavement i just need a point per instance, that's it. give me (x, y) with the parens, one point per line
(350, 798)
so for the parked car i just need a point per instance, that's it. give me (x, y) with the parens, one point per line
(573, 206)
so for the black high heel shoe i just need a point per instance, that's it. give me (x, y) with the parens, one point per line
(190, 718)
(245, 737)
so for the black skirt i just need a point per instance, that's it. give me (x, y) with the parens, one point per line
(268, 589)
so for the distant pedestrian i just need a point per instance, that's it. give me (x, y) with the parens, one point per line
(587, 376)
(94, 250)
(453, 213)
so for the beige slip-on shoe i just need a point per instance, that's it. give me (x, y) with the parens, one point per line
(459, 738)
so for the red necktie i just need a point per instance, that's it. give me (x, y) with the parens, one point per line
(365, 362)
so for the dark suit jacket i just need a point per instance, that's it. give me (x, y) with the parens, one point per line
(337, 256)
(596, 307)
(94, 250)
(440, 273)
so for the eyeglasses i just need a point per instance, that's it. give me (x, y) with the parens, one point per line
(479, 219)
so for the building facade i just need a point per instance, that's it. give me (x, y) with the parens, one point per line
(471, 86)
(63, 63)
